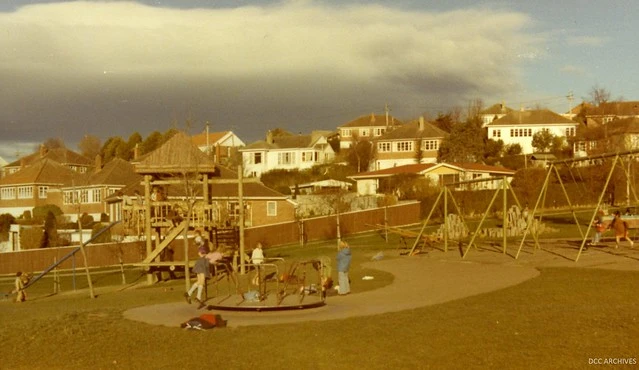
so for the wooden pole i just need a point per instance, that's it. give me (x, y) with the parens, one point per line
(240, 193)
(147, 221)
(505, 212)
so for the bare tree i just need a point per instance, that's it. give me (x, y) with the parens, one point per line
(90, 146)
(599, 95)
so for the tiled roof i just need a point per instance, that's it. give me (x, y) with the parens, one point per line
(408, 168)
(617, 108)
(531, 117)
(214, 137)
(115, 172)
(479, 167)
(45, 171)
(177, 155)
(496, 109)
(623, 126)
(60, 155)
(411, 131)
(288, 141)
(251, 189)
(372, 120)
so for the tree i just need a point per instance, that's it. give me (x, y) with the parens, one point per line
(90, 146)
(6, 219)
(599, 95)
(419, 154)
(513, 149)
(50, 235)
(360, 154)
(494, 148)
(53, 143)
(152, 142)
(445, 121)
(112, 148)
(462, 145)
(542, 141)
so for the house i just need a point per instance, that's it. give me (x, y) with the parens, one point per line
(609, 111)
(38, 184)
(221, 145)
(416, 141)
(493, 112)
(519, 127)
(615, 136)
(64, 156)
(88, 195)
(366, 127)
(319, 186)
(440, 174)
(286, 152)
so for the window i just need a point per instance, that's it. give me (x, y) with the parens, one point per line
(346, 132)
(430, 145)
(405, 146)
(496, 133)
(379, 131)
(43, 191)
(8, 193)
(309, 156)
(97, 196)
(570, 131)
(285, 158)
(257, 158)
(84, 196)
(384, 147)
(70, 197)
(271, 208)
(25, 192)
(363, 132)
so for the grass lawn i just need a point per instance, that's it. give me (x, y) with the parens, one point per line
(560, 319)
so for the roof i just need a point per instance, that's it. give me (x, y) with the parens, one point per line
(329, 183)
(229, 190)
(498, 108)
(531, 117)
(422, 168)
(289, 141)
(60, 155)
(177, 155)
(115, 172)
(216, 138)
(411, 131)
(623, 126)
(45, 171)
(615, 108)
(374, 120)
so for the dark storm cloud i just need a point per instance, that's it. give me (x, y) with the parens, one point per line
(116, 68)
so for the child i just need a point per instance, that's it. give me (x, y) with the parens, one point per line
(20, 282)
(343, 265)
(203, 272)
(599, 227)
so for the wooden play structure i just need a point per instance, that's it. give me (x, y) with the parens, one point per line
(174, 201)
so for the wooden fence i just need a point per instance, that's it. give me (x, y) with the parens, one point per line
(312, 229)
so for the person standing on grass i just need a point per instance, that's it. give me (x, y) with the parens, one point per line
(621, 229)
(19, 287)
(599, 227)
(203, 272)
(343, 265)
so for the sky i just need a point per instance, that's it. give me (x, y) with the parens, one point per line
(112, 68)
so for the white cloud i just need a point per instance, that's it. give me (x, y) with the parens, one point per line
(58, 56)
(573, 69)
(587, 40)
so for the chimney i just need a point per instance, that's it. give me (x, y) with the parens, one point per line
(98, 163)
(421, 123)
(136, 151)
(269, 137)
(43, 150)
(503, 106)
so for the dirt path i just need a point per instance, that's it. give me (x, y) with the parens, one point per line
(418, 282)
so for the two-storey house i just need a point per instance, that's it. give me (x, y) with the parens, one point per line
(221, 146)
(366, 128)
(286, 152)
(64, 156)
(609, 111)
(518, 127)
(415, 142)
(493, 112)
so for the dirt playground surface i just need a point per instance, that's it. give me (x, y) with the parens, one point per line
(421, 280)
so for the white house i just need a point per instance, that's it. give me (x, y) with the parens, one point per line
(493, 112)
(221, 145)
(368, 127)
(286, 152)
(440, 174)
(518, 127)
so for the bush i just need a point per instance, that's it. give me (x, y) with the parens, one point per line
(105, 237)
(40, 212)
(31, 237)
